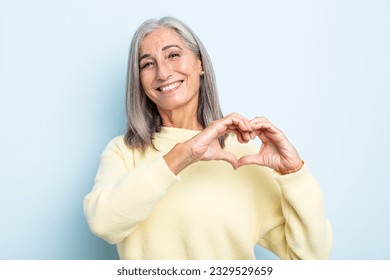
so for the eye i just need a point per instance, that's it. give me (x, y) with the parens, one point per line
(174, 55)
(146, 65)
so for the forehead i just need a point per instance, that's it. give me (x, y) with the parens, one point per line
(158, 39)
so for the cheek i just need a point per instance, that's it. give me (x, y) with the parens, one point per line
(145, 81)
(195, 77)
(191, 66)
(192, 72)
(147, 87)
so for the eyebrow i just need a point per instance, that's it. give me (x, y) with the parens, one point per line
(171, 46)
(163, 49)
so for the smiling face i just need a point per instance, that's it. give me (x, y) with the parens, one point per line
(169, 72)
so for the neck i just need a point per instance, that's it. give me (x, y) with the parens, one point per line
(181, 119)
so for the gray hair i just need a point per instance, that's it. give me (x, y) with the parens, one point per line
(143, 118)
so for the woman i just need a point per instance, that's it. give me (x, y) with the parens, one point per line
(167, 189)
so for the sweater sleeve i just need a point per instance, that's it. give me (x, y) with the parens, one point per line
(297, 227)
(123, 196)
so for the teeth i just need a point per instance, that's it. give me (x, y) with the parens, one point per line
(172, 86)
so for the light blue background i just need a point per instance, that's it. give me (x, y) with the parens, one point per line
(320, 70)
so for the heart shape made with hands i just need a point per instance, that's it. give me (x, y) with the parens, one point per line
(275, 152)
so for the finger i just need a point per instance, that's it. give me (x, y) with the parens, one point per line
(253, 134)
(240, 136)
(258, 124)
(266, 128)
(263, 137)
(227, 124)
(245, 124)
(241, 122)
(228, 157)
(260, 119)
(250, 159)
(241, 127)
(232, 123)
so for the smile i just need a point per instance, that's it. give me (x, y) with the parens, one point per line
(170, 87)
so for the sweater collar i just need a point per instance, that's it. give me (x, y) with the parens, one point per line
(174, 133)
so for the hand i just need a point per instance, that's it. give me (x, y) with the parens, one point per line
(205, 146)
(275, 152)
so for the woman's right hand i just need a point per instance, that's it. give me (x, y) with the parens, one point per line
(205, 145)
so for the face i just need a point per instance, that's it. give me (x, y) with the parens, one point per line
(169, 71)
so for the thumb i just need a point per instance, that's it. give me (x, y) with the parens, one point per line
(250, 159)
(228, 157)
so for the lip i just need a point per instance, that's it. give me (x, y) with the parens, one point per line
(167, 88)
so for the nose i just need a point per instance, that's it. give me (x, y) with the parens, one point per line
(164, 71)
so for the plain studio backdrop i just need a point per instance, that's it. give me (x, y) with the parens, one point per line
(319, 70)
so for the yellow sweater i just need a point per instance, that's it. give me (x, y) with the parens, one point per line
(209, 211)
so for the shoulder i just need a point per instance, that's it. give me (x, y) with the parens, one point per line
(118, 147)
(116, 143)
(117, 151)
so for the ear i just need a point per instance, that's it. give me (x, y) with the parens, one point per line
(201, 69)
(200, 66)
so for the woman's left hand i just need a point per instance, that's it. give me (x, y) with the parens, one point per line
(275, 152)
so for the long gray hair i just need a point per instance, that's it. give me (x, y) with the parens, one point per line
(143, 118)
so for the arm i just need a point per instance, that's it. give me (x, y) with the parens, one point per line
(205, 146)
(297, 227)
(122, 197)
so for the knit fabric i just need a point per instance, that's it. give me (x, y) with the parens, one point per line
(208, 211)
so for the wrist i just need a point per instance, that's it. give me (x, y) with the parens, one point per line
(179, 158)
(292, 170)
